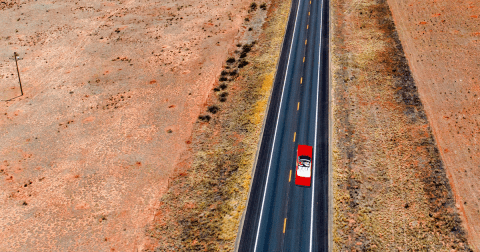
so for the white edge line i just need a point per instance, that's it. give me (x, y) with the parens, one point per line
(316, 127)
(276, 127)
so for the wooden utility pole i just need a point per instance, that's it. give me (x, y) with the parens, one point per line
(18, 72)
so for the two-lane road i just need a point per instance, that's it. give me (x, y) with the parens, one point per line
(280, 215)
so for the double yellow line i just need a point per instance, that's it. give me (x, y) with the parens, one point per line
(294, 136)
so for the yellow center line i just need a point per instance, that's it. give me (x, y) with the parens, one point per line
(310, 2)
(303, 59)
(290, 178)
(298, 105)
(305, 41)
(294, 135)
(301, 79)
(307, 26)
(284, 225)
(309, 13)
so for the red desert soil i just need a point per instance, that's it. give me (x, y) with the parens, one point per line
(112, 91)
(441, 40)
(390, 186)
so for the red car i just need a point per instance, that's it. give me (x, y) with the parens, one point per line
(303, 174)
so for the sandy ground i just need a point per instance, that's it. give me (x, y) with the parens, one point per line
(208, 193)
(112, 91)
(390, 185)
(442, 44)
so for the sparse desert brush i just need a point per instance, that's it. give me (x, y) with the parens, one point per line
(213, 109)
(223, 78)
(253, 6)
(223, 95)
(247, 19)
(204, 118)
(234, 72)
(263, 6)
(242, 63)
(394, 188)
(231, 60)
(220, 175)
(246, 48)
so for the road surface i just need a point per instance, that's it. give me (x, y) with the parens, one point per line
(281, 216)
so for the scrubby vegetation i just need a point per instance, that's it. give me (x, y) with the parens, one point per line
(202, 210)
(391, 192)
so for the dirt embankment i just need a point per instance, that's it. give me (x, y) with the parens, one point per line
(391, 190)
(112, 92)
(207, 196)
(442, 45)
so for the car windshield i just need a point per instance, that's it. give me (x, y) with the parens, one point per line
(304, 161)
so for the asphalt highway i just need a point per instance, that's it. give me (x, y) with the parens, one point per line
(281, 216)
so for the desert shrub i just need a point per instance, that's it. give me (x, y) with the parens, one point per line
(213, 109)
(263, 6)
(223, 86)
(223, 97)
(253, 6)
(204, 118)
(216, 89)
(223, 78)
(243, 55)
(233, 73)
(231, 60)
(247, 19)
(250, 29)
(242, 63)
(239, 45)
(224, 72)
(246, 48)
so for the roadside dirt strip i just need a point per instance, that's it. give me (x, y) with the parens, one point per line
(442, 45)
(391, 190)
(207, 195)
